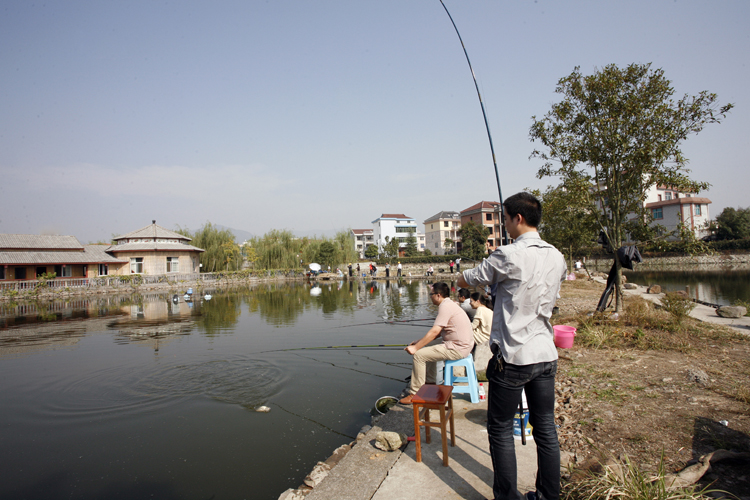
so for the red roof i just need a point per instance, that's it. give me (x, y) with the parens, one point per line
(482, 205)
(361, 231)
(679, 201)
(394, 216)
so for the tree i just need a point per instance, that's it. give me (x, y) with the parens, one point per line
(327, 254)
(733, 224)
(474, 240)
(449, 245)
(390, 249)
(221, 252)
(277, 250)
(621, 131)
(371, 252)
(569, 219)
(410, 250)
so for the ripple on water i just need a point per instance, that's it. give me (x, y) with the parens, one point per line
(117, 392)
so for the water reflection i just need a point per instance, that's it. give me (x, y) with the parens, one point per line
(716, 287)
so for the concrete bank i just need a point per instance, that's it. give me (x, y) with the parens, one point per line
(369, 473)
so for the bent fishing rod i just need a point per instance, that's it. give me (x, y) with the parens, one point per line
(486, 123)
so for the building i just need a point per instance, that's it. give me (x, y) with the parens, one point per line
(441, 226)
(156, 250)
(670, 207)
(488, 214)
(362, 239)
(397, 226)
(28, 256)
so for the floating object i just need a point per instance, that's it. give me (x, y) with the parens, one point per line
(315, 291)
(189, 291)
(207, 296)
(175, 298)
(385, 403)
(564, 336)
(263, 409)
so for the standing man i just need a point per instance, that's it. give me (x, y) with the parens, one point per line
(528, 274)
(387, 269)
(350, 270)
(398, 269)
(458, 341)
(458, 264)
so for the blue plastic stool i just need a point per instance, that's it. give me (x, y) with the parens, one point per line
(470, 378)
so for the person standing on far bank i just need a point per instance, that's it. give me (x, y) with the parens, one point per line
(398, 269)
(528, 274)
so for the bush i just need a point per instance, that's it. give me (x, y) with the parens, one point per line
(677, 305)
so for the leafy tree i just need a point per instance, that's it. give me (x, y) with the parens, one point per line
(427, 252)
(345, 251)
(371, 252)
(449, 245)
(569, 218)
(621, 131)
(390, 249)
(474, 240)
(733, 224)
(221, 252)
(410, 250)
(327, 255)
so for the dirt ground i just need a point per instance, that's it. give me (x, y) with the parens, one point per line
(628, 387)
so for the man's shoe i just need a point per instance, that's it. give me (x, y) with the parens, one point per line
(531, 495)
(407, 400)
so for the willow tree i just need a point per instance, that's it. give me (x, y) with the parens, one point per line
(277, 250)
(221, 252)
(621, 131)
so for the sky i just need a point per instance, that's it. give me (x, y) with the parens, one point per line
(319, 116)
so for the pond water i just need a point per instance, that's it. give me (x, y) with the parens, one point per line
(143, 396)
(715, 287)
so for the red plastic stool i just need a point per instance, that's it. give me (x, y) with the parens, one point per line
(434, 397)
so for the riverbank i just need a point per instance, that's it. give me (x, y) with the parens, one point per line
(714, 262)
(626, 388)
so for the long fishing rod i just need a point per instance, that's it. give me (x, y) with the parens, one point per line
(388, 322)
(369, 346)
(486, 123)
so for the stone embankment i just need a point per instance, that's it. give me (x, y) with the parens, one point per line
(714, 262)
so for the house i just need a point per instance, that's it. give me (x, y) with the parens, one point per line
(488, 214)
(28, 256)
(670, 207)
(441, 226)
(362, 239)
(155, 250)
(397, 226)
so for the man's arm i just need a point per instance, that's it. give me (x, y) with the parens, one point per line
(429, 337)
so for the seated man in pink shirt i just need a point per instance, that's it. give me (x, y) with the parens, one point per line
(453, 325)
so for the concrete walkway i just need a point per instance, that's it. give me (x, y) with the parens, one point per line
(369, 473)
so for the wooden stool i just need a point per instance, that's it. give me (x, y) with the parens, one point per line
(433, 397)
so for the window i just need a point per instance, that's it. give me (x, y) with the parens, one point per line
(489, 242)
(490, 228)
(20, 273)
(445, 223)
(657, 213)
(136, 265)
(405, 229)
(659, 197)
(431, 226)
(103, 269)
(2, 273)
(63, 271)
(697, 210)
(668, 195)
(173, 265)
(489, 216)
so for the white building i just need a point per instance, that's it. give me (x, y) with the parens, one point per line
(670, 207)
(440, 226)
(362, 239)
(396, 226)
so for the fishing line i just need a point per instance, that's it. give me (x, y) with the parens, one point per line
(372, 346)
(486, 123)
(352, 369)
(388, 321)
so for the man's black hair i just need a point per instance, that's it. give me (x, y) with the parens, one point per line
(463, 292)
(442, 288)
(525, 204)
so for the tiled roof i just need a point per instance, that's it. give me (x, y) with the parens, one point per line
(361, 231)
(153, 231)
(394, 216)
(482, 205)
(38, 242)
(152, 246)
(679, 201)
(92, 254)
(443, 215)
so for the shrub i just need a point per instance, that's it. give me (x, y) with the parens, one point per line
(677, 305)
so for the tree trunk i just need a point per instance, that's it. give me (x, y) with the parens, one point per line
(618, 285)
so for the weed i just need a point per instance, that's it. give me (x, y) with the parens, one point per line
(611, 395)
(677, 305)
(636, 387)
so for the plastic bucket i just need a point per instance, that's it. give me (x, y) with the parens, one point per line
(564, 336)
(521, 422)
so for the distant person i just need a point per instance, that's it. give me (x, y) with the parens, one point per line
(463, 300)
(358, 269)
(451, 264)
(526, 275)
(429, 271)
(370, 269)
(578, 265)
(398, 269)
(374, 270)
(351, 272)
(458, 265)
(481, 326)
(455, 329)
(387, 270)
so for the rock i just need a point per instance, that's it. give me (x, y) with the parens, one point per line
(319, 472)
(291, 494)
(654, 289)
(390, 441)
(681, 293)
(630, 286)
(263, 409)
(337, 455)
(731, 311)
(364, 430)
(697, 375)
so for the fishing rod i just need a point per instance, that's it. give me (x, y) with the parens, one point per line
(388, 321)
(486, 123)
(369, 346)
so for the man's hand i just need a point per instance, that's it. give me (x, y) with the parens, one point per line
(411, 348)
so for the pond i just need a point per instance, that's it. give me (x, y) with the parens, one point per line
(715, 287)
(154, 396)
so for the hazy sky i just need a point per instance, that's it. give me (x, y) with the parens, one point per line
(317, 116)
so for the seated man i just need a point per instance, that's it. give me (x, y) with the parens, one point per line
(463, 300)
(453, 325)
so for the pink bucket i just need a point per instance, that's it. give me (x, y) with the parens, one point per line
(564, 336)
